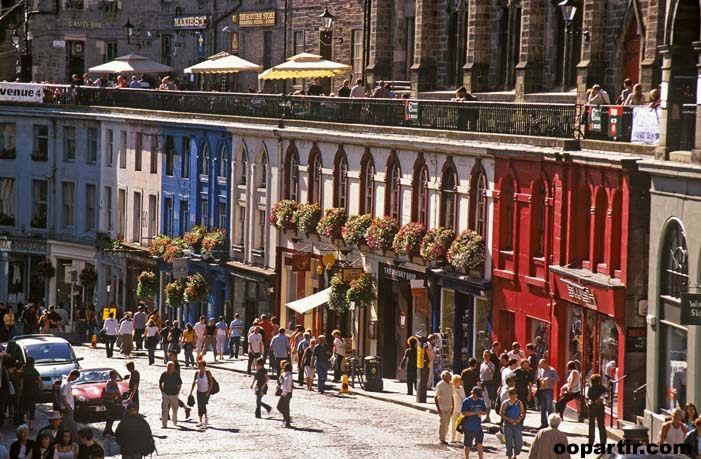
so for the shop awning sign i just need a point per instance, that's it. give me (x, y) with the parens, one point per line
(350, 274)
(180, 268)
(691, 309)
(579, 293)
(190, 22)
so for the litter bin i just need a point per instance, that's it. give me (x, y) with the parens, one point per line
(635, 433)
(373, 373)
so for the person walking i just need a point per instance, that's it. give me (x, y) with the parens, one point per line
(409, 363)
(572, 390)
(280, 349)
(169, 384)
(304, 343)
(152, 337)
(126, 332)
(488, 380)
(255, 347)
(458, 397)
(204, 382)
(543, 446)
(110, 329)
(320, 362)
(307, 364)
(200, 330)
(513, 411)
(164, 339)
(88, 447)
(472, 408)
(339, 351)
(31, 390)
(134, 378)
(112, 399)
(68, 402)
(285, 383)
(235, 332)
(547, 378)
(189, 341)
(139, 327)
(690, 415)
(134, 435)
(222, 337)
(210, 339)
(65, 447)
(260, 386)
(595, 404)
(444, 405)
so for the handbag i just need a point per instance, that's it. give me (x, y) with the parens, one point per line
(278, 391)
(190, 400)
(458, 423)
(215, 386)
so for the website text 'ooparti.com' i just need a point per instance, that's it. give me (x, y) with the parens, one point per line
(585, 449)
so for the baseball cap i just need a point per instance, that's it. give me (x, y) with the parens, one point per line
(477, 390)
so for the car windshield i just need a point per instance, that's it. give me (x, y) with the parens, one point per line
(50, 352)
(95, 376)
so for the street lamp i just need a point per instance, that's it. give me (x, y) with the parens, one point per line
(326, 19)
(569, 10)
(130, 30)
(15, 39)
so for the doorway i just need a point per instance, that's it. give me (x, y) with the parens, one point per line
(631, 52)
(76, 58)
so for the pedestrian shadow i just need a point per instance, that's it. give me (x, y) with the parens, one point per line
(306, 429)
(218, 429)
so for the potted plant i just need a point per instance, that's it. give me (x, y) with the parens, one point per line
(196, 289)
(435, 244)
(337, 294)
(381, 233)
(147, 287)
(361, 290)
(176, 249)
(45, 269)
(88, 276)
(194, 238)
(282, 215)
(467, 251)
(213, 241)
(355, 230)
(408, 239)
(175, 293)
(307, 217)
(158, 245)
(331, 224)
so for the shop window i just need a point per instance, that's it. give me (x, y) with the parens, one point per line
(599, 230)
(506, 199)
(315, 177)
(539, 215)
(292, 174)
(419, 193)
(448, 197)
(672, 367)
(367, 184)
(478, 201)
(393, 188)
(138, 150)
(340, 180)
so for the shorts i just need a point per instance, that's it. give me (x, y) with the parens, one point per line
(478, 438)
(308, 372)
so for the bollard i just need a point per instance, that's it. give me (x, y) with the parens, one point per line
(344, 385)
(93, 342)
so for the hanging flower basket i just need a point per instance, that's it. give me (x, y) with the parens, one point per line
(158, 245)
(196, 289)
(331, 224)
(45, 269)
(88, 276)
(176, 249)
(355, 230)
(337, 294)
(381, 233)
(103, 241)
(175, 293)
(361, 290)
(194, 238)
(408, 239)
(213, 241)
(282, 215)
(307, 217)
(435, 245)
(467, 251)
(147, 288)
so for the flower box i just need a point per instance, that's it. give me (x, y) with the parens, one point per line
(355, 230)
(194, 238)
(435, 245)
(408, 239)
(196, 289)
(307, 218)
(467, 252)
(331, 224)
(175, 293)
(147, 286)
(213, 241)
(282, 215)
(381, 233)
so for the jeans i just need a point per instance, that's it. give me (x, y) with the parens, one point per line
(514, 438)
(546, 406)
(151, 355)
(278, 361)
(139, 338)
(337, 368)
(251, 357)
(322, 370)
(234, 345)
(562, 403)
(69, 421)
(169, 402)
(109, 345)
(596, 415)
(283, 405)
(410, 383)
(187, 351)
(260, 403)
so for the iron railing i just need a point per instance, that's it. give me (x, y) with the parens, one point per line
(687, 138)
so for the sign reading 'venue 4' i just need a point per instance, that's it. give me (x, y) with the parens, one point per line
(21, 92)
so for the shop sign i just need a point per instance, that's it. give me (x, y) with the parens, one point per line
(411, 110)
(691, 309)
(392, 273)
(83, 24)
(189, 22)
(199, 44)
(59, 43)
(21, 92)
(636, 339)
(234, 42)
(579, 293)
(646, 125)
(107, 311)
(350, 274)
(257, 19)
(595, 119)
(301, 262)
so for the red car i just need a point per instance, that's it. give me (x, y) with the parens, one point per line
(87, 391)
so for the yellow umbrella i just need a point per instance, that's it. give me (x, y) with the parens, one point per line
(223, 63)
(305, 65)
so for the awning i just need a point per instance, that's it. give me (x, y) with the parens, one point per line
(131, 63)
(223, 63)
(312, 301)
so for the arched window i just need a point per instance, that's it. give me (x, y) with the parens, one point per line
(223, 163)
(506, 199)
(204, 163)
(340, 180)
(586, 224)
(616, 205)
(367, 184)
(419, 193)
(478, 200)
(599, 229)
(243, 167)
(315, 177)
(263, 174)
(393, 186)
(292, 174)
(675, 269)
(539, 215)
(448, 196)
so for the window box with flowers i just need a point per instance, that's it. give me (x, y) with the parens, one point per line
(407, 242)
(213, 243)
(355, 230)
(307, 218)
(45, 269)
(435, 245)
(176, 249)
(175, 293)
(282, 215)
(194, 238)
(158, 245)
(331, 224)
(196, 289)
(147, 286)
(381, 233)
(466, 253)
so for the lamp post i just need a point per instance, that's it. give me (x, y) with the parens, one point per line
(139, 41)
(569, 10)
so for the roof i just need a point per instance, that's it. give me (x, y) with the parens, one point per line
(38, 339)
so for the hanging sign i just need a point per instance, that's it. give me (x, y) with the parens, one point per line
(636, 339)
(595, 119)
(234, 42)
(199, 44)
(411, 110)
(257, 19)
(190, 22)
(180, 268)
(691, 309)
(21, 92)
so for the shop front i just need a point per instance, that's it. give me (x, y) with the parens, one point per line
(252, 292)
(403, 311)
(20, 280)
(137, 261)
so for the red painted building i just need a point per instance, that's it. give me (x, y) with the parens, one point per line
(569, 258)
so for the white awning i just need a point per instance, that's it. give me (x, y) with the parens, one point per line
(312, 301)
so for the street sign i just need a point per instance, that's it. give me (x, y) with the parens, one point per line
(350, 274)
(107, 311)
(59, 43)
(180, 268)
(691, 309)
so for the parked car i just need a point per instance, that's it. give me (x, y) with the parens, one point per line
(87, 390)
(53, 358)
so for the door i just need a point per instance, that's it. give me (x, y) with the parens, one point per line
(388, 332)
(632, 52)
(76, 58)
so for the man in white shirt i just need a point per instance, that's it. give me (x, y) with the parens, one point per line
(255, 347)
(516, 352)
(111, 329)
(68, 402)
(444, 405)
(235, 332)
(200, 329)
(358, 90)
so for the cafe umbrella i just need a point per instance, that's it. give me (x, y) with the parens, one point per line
(223, 63)
(305, 65)
(131, 63)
